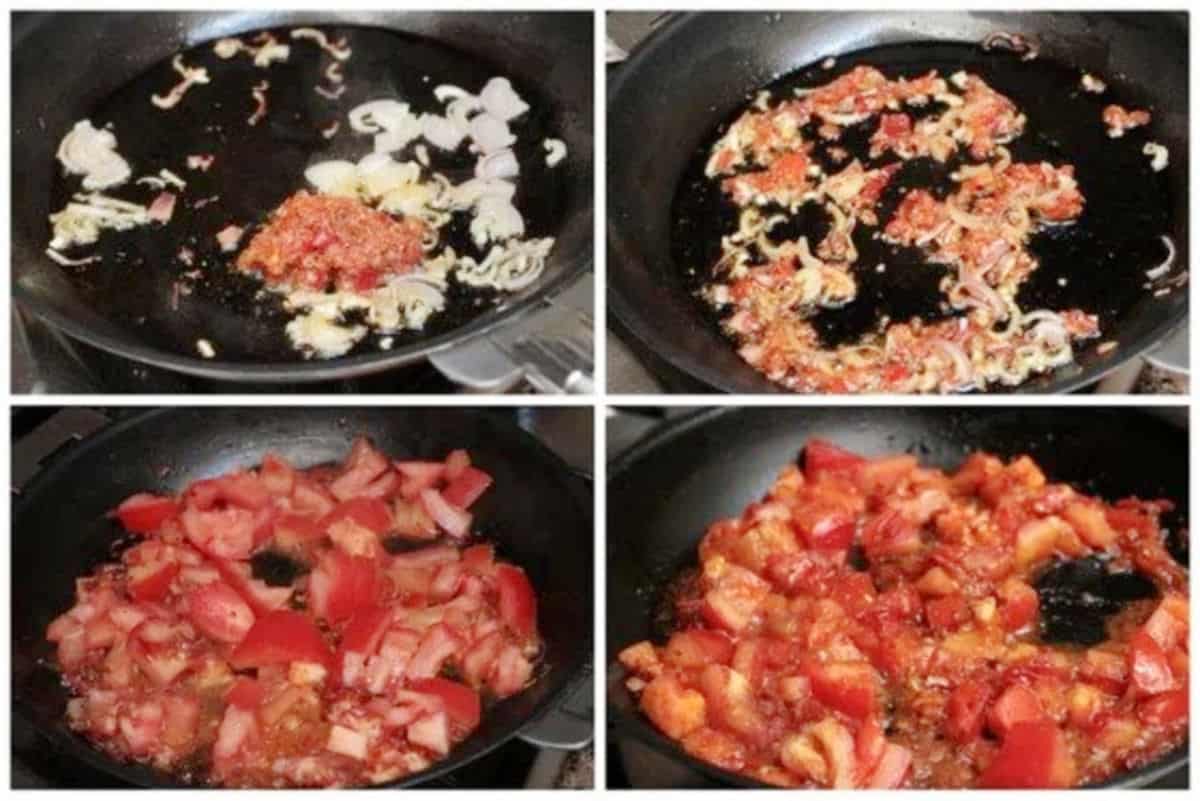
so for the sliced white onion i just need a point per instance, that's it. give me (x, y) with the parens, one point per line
(393, 140)
(441, 132)
(500, 101)
(92, 153)
(958, 359)
(379, 173)
(496, 220)
(379, 115)
(1163, 268)
(459, 111)
(490, 133)
(556, 151)
(334, 178)
(468, 193)
(501, 164)
(446, 92)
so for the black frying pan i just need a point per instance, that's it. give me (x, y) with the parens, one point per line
(538, 515)
(698, 70)
(71, 66)
(665, 491)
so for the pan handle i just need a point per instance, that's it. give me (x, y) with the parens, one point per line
(568, 725)
(51, 441)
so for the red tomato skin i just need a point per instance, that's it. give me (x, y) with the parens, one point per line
(341, 585)
(847, 687)
(218, 611)
(278, 475)
(370, 513)
(966, 710)
(822, 456)
(1149, 668)
(1164, 709)
(281, 637)
(246, 693)
(461, 703)
(299, 528)
(479, 558)
(1015, 705)
(464, 490)
(1032, 755)
(518, 604)
(144, 513)
(364, 631)
(154, 586)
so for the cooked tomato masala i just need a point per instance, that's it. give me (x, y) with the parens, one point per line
(875, 623)
(261, 635)
(315, 241)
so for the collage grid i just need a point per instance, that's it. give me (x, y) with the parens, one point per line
(646, 445)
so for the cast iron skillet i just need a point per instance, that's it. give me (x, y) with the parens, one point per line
(69, 65)
(537, 514)
(665, 491)
(697, 70)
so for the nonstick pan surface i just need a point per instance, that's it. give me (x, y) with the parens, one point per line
(129, 303)
(537, 514)
(664, 221)
(665, 491)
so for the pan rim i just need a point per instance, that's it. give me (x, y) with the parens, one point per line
(622, 722)
(146, 776)
(637, 325)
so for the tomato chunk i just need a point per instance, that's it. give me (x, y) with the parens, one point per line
(341, 585)
(220, 612)
(518, 604)
(467, 487)
(370, 513)
(144, 513)
(822, 457)
(461, 703)
(281, 637)
(1033, 754)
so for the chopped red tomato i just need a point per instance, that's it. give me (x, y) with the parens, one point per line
(419, 476)
(363, 466)
(221, 533)
(849, 687)
(1164, 709)
(823, 457)
(518, 604)
(220, 612)
(966, 711)
(246, 693)
(456, 462)
(1016, 705)
(261, 597)
(151, 582)
(460, 702)
(279, 638)
(341, 585)
(144, 513)
(1149, 668)
(277, 475)
(1033, 754)
(464, 490)
(479, 558)
(370, 513)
